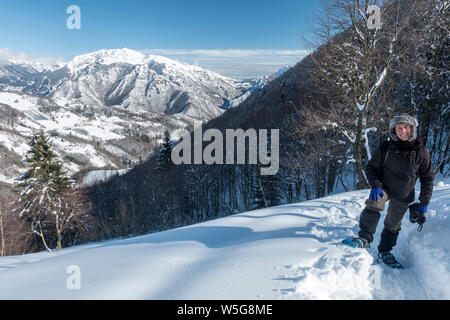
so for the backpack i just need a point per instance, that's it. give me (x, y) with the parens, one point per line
(385, 151)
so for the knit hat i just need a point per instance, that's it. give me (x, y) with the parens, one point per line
(403, 119)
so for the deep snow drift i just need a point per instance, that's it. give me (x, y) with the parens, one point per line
(286, 252)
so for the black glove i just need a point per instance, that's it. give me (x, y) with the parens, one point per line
(416, 216)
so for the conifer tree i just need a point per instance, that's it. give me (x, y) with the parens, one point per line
(164, 152)
(48, 200)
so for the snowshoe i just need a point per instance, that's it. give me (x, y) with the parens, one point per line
(356, 242)
(388, 259)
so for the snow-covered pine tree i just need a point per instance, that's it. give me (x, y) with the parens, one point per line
(48, 201)
(37, 186)
(164, 152)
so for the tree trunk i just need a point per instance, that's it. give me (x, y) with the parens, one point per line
(41, 234)
(305, 183)
(445, 158)
(2, 237)
(425, 123)
(362, 182)
(332, 171)
(58, 241)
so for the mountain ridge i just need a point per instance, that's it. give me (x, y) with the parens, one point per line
(116, 103)
(131, 79)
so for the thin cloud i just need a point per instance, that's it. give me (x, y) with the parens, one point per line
(20, 57)
(235, 63)
(228, 53)
(244, 71)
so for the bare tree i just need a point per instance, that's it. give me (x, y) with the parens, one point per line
(431, 80)
(13, 237)
(3, 208)
(358, 49)
(321, 153)
(72, 213)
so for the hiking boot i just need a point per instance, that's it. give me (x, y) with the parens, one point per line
(388, 259)
(357, 242)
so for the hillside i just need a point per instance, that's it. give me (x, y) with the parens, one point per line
(85, 138)
(285, 252)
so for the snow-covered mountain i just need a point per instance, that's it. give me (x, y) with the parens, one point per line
(17, 76)
(131, 80)
(285, 252)
(106, 109)
(280, 71)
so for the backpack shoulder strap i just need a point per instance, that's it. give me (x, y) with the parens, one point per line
(384, 151)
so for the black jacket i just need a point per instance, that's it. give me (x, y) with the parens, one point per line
(398, 173)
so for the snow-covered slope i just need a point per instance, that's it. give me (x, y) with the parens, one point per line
(83, 137)
(100, 176)
(286, 252)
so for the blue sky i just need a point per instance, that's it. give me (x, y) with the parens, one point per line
(253, 34)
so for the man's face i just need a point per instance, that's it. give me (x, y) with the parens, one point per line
(403, 131)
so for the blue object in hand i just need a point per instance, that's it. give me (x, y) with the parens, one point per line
(375, 193)
(422, 209)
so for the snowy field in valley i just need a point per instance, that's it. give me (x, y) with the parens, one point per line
(285, 252)
(97, 176)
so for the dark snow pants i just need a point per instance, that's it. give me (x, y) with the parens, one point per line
(392, 223)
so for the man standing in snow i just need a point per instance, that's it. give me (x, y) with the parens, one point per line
(392, 173)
